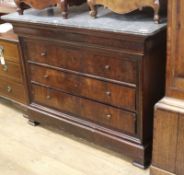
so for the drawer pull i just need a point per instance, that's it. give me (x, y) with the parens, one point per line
(48, 97)
(5, 68)
(43, 54)
(46, 76)
(108, 93)
(107, 67)
(108, 116)
(9, 89)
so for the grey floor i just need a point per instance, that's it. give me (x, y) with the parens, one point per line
(27, 150)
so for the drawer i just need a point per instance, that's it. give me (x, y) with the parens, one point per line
(105, 92)
(11, 71)
(10, 51)
(93, 111)
(12, 90)
(83, 60)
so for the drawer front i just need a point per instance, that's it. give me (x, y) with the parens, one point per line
(96, 112)
(10, 51)
(11, 71)
(83, 60)
(12, 90)
(113, 94)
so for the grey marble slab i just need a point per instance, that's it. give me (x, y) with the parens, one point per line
(137, 22)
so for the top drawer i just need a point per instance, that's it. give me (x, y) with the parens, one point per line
(82, 60)
(10, 51)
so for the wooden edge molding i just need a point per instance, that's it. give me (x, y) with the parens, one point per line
(171, 104)
(158, 171)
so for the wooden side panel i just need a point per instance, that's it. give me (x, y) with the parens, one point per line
(165, 140)
(180, 147)
(175, 71)
(180, 39)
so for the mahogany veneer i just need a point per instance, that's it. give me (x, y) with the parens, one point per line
(98, 84)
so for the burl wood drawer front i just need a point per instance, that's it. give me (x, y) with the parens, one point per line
(96, 112)
(83, 60)
(10, 51)
(12, 90)
(110, 93)
(11, 71)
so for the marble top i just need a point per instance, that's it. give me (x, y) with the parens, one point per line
(137, 22)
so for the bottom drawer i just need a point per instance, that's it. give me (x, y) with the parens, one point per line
(105, 115)
(12, 90)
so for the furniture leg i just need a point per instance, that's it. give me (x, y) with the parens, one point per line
(156, 11)
(33, 123)
(20, 8)
(64, 8)
(141, 164)
(93, 10)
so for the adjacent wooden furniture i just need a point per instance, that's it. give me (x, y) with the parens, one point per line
(168, 151)
(12, 84)
(63, 4)
(11, 72)
(99, 82)
(168, 148)
(124, 6)
(6, 7)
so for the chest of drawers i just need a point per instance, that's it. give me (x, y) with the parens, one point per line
(12, 85)
(99, 83)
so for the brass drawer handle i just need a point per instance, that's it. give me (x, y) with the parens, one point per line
(108, 93)
(43, 54)
(5, 68)
(9, 89)
(107, 67)
(108, 116)
(48, 97)
(76, 85)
